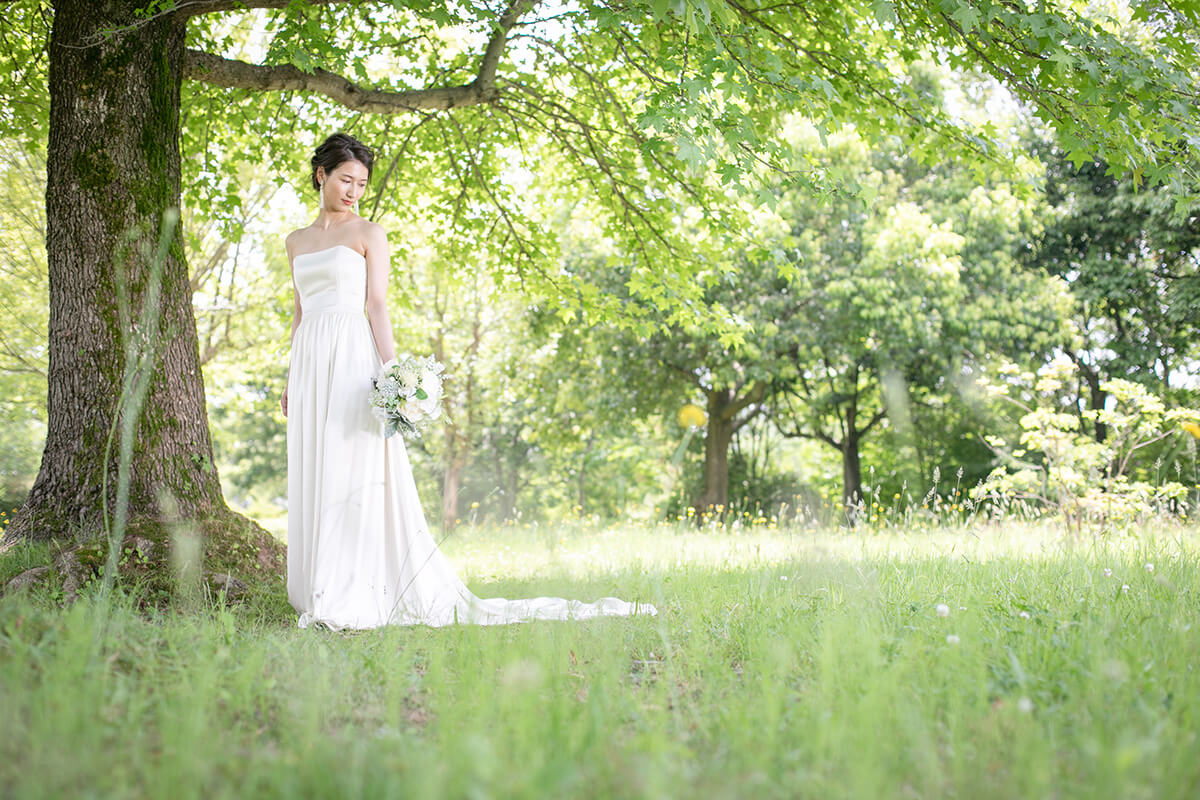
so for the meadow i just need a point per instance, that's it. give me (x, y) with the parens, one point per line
(975, 661)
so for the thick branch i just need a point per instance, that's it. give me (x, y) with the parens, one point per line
(755, 395)
(285, 77)
(495, 46)
(235, 74)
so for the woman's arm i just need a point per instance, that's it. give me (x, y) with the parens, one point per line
(378, 266)
(296, 314)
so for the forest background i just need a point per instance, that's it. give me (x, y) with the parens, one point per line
(792, 322)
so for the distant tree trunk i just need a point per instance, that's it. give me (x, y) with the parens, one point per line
(456, 462)
(459, 423)
(581, 484)
(113, 163)
(1095, 399)
(508, 500)
(851, 471)
(724, 407)
(509, 455)
(716, 452)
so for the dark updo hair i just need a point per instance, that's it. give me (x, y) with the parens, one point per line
(337, 149)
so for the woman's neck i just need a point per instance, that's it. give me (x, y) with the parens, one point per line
(328, 218)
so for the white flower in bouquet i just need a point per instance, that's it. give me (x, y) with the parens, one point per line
(407, 394)
(407, 377)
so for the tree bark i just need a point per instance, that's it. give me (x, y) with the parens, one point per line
(717, 437)
(852, 491)
(114, 165)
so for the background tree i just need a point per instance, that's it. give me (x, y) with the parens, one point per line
(903, 293)
(1134, 271)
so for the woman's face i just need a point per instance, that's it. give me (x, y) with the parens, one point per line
(344, 185)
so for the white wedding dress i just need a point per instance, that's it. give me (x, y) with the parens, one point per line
(359, 552)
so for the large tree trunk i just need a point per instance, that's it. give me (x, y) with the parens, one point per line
(114, 165)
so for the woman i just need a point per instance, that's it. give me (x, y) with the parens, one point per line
(360, 554)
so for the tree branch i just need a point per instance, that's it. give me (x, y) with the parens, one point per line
(193, 8)
(234, 74)
(880, 414)
(756, 394)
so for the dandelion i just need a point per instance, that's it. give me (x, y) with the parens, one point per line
(1149, 566)
(951, 639)
(1025, 705)
(1125, 588)
(1107, 572)
(1024, 615)
(942, 610)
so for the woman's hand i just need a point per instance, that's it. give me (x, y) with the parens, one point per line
(283, 401)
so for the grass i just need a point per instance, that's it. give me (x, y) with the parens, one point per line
(782, 664)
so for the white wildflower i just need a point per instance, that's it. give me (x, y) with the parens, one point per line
(942, 610)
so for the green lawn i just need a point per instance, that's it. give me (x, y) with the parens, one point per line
(782, 664)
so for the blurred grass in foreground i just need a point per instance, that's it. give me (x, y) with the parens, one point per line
(782, 664)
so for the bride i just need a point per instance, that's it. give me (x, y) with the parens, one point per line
(360, 554)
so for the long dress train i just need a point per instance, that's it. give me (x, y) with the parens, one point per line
(360, 554)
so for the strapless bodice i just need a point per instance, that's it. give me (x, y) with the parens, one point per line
(333, 279)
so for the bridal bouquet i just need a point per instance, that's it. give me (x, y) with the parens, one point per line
(408, 394)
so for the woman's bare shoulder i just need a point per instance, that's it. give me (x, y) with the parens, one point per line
(371, 233)
(289, 241)
(368, 228)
